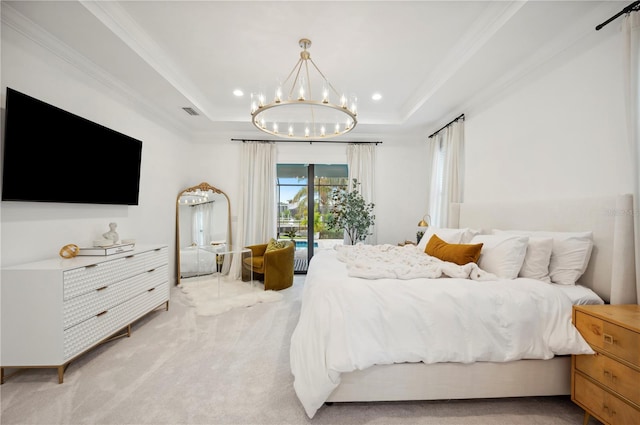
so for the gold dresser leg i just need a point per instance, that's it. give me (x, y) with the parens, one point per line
(585, 421)
(61, 373)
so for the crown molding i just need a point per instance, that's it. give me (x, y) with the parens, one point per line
(33, 32)
(576, 38)
(116, 19)
(484, 28)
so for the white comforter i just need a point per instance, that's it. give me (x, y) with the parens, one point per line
(402, 262)
(349, 323)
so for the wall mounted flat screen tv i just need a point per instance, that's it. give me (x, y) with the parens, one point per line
(51, 155)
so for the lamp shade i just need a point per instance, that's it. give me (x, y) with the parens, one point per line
(423, 222)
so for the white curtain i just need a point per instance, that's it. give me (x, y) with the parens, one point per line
(361, 163)
(446, 155)
(200, 223)
(257, 203)
(631, 36)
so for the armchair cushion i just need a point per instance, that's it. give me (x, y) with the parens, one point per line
(274, 266)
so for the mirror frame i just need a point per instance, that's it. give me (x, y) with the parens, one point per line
(204, 186)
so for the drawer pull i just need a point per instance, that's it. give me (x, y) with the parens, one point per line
(102, 313)
(129, 256)
(102, 288)
(152, 289)
(609, 339)
(90, 266)
(152, 270)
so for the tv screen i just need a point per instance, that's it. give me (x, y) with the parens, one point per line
(51, 155)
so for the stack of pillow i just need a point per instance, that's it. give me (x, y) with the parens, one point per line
(553, 257)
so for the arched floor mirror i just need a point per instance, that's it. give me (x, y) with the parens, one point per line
(203, 228)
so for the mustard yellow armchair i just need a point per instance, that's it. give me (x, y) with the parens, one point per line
(274, 266)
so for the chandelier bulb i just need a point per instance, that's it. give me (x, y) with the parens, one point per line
(306, 132)
(343, 101)
(322, 131)
(278, 97)
(337, 128)
(275, 127)
(290, 130)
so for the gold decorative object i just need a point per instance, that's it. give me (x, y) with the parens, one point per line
(69, 251)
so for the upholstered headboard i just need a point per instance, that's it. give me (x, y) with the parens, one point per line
(611, 270)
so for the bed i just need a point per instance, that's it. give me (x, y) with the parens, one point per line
(199, 260)
(354, 342)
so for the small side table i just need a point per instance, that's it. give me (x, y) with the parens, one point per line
(226, 256)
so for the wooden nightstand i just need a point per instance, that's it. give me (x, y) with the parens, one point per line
(607, 385)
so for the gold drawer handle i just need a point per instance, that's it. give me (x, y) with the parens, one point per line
(102, 288)
(102, 313)
(152, 289)
(609, 339)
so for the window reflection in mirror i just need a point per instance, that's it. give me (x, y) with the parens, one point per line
(203, 229)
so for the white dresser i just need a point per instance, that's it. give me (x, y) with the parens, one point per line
(54, 310)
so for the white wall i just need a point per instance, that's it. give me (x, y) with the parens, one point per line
(33, 231)
(400, 171)
(561, 135)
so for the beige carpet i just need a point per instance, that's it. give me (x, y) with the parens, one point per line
(232, 368)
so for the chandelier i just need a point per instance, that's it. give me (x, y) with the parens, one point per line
(299, 115)
(194, 197)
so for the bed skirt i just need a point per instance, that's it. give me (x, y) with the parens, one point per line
(441, 381)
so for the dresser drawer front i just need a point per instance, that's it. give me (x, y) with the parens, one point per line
(88, 305)
(86, 334)
(622, 343)
(591, 328)
(616, 376)
(609, 337)
(602, 404)
(155, 258)
(86, 279)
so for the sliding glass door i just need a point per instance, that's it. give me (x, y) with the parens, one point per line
(302, 217)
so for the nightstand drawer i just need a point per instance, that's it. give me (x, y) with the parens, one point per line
(613, 375)
(602, 404)
(609, 337)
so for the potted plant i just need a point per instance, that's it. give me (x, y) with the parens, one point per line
(351, 213)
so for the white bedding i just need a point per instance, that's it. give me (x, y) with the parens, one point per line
(402, 262)
(197, 260)
(348, 323)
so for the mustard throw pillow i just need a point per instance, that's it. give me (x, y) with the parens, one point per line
(460, 254)
(274, 244)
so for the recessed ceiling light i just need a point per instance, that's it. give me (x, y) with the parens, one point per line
(238, 92)
(376, 96)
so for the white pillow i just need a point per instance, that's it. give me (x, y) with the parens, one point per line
(579, 295)
(570, 255)
(537, 259)
(446, 234)
(502, 255)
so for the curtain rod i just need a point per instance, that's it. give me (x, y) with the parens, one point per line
(305, 141)
(633, 7)
(461, 116)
